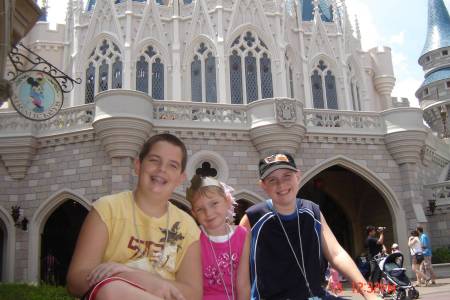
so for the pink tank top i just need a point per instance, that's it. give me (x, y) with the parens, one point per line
(213, 288)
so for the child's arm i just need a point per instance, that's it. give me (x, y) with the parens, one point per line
(243, 272)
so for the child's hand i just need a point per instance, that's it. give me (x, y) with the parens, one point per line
(106, 270)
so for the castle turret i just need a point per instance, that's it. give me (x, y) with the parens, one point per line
(434, 93)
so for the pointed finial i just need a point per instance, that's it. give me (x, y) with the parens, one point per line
(358, 31)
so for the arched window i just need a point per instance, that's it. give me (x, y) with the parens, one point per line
(105, 64)
(254, 81)
(323, 84)
(150, 56)
(203, 75)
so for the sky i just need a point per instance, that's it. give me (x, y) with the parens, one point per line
(398, 24)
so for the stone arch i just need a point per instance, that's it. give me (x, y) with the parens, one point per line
(37, 224)
(395, 209)
(9, 247)
(268, 39)
(87, 50)
(249, 196)
(180, 198)
(211, 156)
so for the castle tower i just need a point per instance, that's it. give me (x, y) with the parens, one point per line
(434, 93)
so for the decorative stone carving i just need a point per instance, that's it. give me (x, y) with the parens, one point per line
(286, 114)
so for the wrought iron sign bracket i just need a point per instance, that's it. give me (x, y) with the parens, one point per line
(24, 60)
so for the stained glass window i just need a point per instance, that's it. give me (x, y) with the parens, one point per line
(117, 74)
(90, 82)
(158, 80)
(103, 76)
(196, 80)
(251, 78)
(210, 78)
(249, 49)
(316, 82)
(106, 58)
(142, 75)
(236, 78)
(330, 84)
(266, 77)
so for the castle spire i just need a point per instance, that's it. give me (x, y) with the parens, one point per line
(438, 35)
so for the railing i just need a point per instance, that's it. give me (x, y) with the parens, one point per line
(200, 113)
(345, 120)
(68, 119)
(440, 192)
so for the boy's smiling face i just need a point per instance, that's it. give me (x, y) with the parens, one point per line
(161, 169)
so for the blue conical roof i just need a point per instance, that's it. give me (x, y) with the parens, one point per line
(438, 35)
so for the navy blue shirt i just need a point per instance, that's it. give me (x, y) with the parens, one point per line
(274, 271)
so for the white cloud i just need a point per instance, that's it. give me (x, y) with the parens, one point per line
(370, 36)
(407, 87)
(398, 39)
(57, 11)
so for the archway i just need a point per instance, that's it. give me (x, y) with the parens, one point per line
(58, 240)
(41, 217)
(350, 200)
(7, 246)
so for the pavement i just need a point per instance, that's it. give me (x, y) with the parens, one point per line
(438, 291)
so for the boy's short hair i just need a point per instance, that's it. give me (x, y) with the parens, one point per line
(419, 229)
(164, 137)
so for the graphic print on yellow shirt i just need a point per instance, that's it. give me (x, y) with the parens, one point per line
(144, 248)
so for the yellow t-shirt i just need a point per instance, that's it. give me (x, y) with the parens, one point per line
(144, 248)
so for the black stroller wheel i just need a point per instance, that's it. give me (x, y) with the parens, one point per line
(401, 295)
(413, 294)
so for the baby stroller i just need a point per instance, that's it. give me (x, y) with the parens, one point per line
(394, 281)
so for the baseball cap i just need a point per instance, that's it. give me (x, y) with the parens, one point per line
(275, 162)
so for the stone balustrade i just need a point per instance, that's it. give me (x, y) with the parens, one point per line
(439, 191)
(326, 120)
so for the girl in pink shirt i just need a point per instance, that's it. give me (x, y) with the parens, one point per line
(224, 247)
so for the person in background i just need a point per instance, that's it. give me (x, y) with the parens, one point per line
(394, 248)
(290, 237)
(136, 245)
(224, 247)
(415, 247)
(374, 246)
(427, 266)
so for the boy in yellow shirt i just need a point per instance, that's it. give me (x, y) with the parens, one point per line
(136, 244)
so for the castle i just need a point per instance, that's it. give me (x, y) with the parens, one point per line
(235, 80)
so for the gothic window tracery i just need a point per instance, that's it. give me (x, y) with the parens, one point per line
(104, 70)
(203, 75)
(254, 80)
(150, 79)
(323, 85)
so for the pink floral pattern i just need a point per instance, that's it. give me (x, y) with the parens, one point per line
(223, 261)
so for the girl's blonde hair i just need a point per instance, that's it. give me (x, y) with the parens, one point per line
(205, 185)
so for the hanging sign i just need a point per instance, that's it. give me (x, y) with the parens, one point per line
(36, 95)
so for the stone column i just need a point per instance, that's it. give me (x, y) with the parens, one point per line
(405, 137)
(123, 122)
